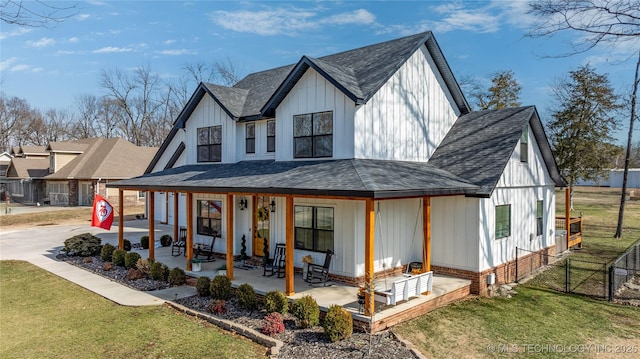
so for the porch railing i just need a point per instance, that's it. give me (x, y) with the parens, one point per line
(574, 228)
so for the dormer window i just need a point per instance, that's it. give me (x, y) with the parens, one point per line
(250, 138)
(313, 135)
(210, 144)
(524, 145)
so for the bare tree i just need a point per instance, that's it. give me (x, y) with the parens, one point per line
(88, 109)
(15, 113)
(34, 13)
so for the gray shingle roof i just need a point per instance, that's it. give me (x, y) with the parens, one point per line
(350, 177)
(479, 145)
(27, 168)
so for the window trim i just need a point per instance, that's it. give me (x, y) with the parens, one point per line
(249, 140)
(314, 228)
(313, 137)
(211, 232)
(210, 145)
(501, 234)
(273, 137)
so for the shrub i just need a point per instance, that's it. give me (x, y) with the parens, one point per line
(306, 311)
(273, 324)
(337, 324)
(247, 297)
(87, 260)
(177, 276)
(202, 286)
(107, 266)
(166, 240)
(134, 274)
(84, 245)
(220, 287)
(144, 265)
(118, 257)
(127, 245)
(157, 271)
(218, 306)
(276, 301)
(106, 252)
(130, 259)
(144, 242)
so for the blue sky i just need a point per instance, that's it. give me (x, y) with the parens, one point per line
(50, 66)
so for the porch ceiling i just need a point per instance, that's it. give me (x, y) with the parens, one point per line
(343, 178)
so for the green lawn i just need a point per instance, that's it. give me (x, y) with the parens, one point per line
(533, 318)
(44, 316)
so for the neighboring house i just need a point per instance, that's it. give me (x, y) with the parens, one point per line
(614, 178)
(5, 161)
(73, 171)
(33, 152)
(372, 153)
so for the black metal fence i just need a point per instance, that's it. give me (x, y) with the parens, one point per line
(619, 280)
(624, 275)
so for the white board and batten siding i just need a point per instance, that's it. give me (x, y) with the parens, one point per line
(209, 113)
(260, 142)
(408, 117)
(311, 94)
(521, 185)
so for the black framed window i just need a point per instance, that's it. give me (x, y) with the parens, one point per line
(539, 217)
(313, 135)
(313, 228)
(524, 145)
(210, 144)
(209, 218)
(503, 221)
(250, 138)
(271, 136)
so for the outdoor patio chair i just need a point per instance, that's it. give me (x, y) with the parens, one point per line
(206, 250)
(319, 273)
(277, 263)
(179, 243)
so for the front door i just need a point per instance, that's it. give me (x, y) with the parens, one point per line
(260, 225)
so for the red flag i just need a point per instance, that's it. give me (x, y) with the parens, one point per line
(102, 215)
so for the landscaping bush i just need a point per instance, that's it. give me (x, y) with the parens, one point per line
(306, 311)
(130, 259)
(337, 324)
(166, 240)
(247, 297)
(273, 324)
(144, 242)
(118, 257)
(177, 276)
(202, 286)
(276, 301)
(127, 245)
(158, 271)
(134, 274)
(84, 245)
(220, 287)
(218, 306)
(106, 252)
(144, 265)
(107, 266)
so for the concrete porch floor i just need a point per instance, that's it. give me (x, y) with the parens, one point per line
(334, 293)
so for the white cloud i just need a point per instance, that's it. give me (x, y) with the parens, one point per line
(83, 17)
(37, 69)
(43, 42)
(65, 52)
(112, 49)
(17, 32)
(6, 63)
(168, 42)
(115, 32)
(286, 21)
(73, 40)
(457, 17)
(177, 52)
(21, 67)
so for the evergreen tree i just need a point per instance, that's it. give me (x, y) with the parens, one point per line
(503, 93)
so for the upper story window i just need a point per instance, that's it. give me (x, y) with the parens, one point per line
(313, 135)
(210, 144)
(250, 138)
(271, 136)
(524, 145)
(503, 221)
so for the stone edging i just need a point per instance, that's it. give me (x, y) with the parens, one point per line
(273, 344)
(409, 346)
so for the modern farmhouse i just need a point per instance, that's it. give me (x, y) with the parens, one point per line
(373, 154)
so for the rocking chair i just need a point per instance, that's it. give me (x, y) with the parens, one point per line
(319, 272)
(180, 243)
(277, 263)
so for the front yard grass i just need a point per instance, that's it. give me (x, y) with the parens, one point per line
(533, 318)
(44, 316)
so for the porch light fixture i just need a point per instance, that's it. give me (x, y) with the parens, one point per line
(243, 204)
(272, 205)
